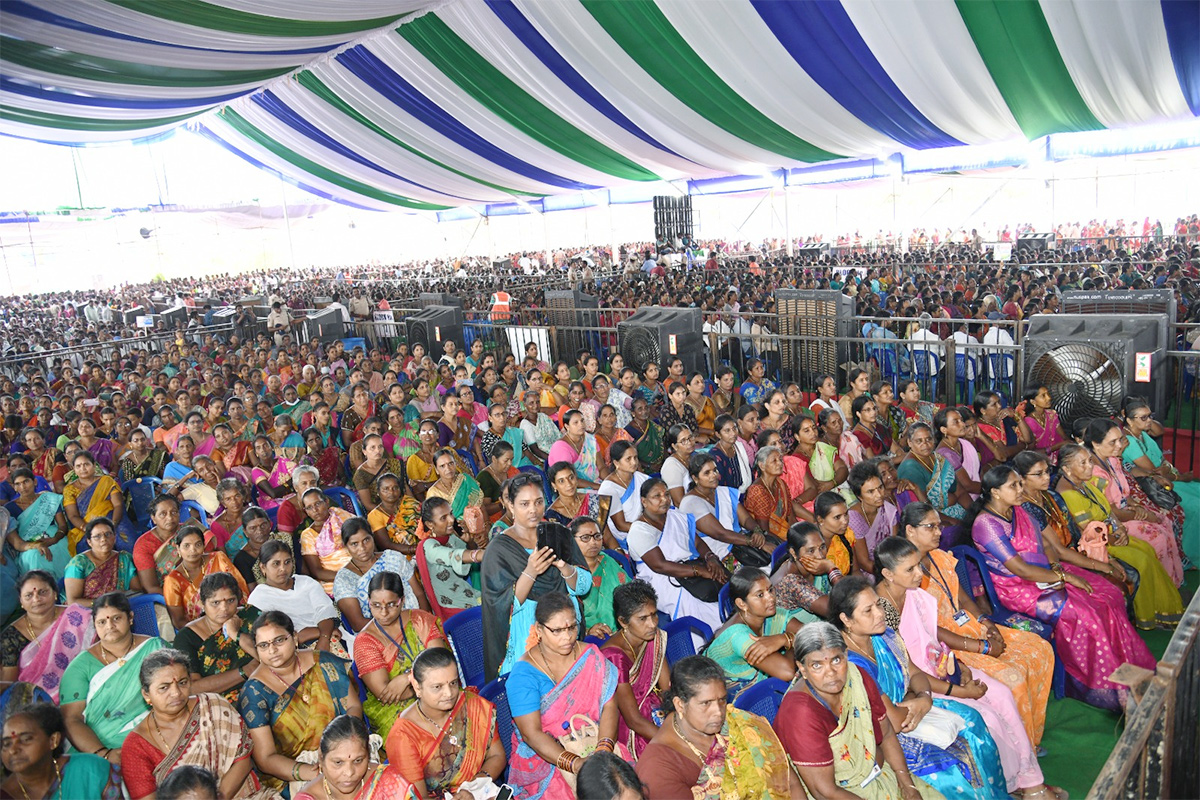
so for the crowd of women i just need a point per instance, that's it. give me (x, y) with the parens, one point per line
(308, 533)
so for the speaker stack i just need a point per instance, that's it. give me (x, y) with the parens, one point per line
(817, 315)
(427, 299)
(672, 221)
(569, 311)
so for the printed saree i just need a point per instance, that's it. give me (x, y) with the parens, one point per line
(36, 523)
(113, 692)
(375, 649)
(401, 527)
(45, 659)
(453, 756)
(642, 674)
(746, 760)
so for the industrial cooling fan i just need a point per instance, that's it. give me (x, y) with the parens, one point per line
(1082, 380)
(640, 346)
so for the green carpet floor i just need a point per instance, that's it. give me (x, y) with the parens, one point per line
(1079, 737)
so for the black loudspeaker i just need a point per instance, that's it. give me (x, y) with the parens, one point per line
(1091, 362)
(173, 315)
(434, 325)
(427, 299)
(568, 311)
(324, 326)
(658, 333)
(1120, 301)
(129, 316)
(813, 252)
(224, 316)
(1035, 241)
(672, 219)
(808, 321)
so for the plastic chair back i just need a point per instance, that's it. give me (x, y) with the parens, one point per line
(465, 632)
(469, 457)
(725, 603)
(679, 637)
(762, 697)
(192, 509)
(623, 560)
(497, 694)
(145, 617)
(139, 493)
(344, 499)
(779, 556)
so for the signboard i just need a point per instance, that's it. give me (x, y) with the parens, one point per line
(144, 322)
(385, 324)
(1002, 251)
(1141, 373)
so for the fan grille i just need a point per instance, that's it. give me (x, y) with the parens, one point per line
(1082, 380)
(640, 346)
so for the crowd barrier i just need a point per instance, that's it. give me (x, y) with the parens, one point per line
(1157, 754)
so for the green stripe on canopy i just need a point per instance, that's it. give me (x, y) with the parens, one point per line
(64, 122)
(245, 128)
(1019, 51)
(491, 88)
(314, 84)
(220, 18)
(96, 68)
(645, 34)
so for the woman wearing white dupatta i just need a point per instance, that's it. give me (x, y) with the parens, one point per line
(624, 486)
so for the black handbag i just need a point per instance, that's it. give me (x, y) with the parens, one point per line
(1161, 496)
(703, 589)
(750, 556)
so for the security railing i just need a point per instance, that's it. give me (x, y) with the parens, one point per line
(1156, 756)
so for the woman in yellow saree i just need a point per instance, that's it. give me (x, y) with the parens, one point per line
(93, 495)
(384, 650)
(448, 737)
(289, 699)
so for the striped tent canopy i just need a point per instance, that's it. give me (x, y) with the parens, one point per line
(432, 104)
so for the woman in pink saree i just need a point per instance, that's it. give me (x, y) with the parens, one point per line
(638, 651)
(274, 477)
(1107, 442)
(1092, 637)
(898, 564)
(560, 689)
(44, 659)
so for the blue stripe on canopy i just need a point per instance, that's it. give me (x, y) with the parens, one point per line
(95, 101)
(825, 43)
(276, 107)
(379, 76)
(532, 38)
(208, 133)
(21, 8)
(1182, 21)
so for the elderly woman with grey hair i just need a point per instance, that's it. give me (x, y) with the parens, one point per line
(768, 499)
(837, 731)
(292, 518)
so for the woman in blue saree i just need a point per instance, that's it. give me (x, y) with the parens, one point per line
(969, 765)
(40, 535)
(934, 475)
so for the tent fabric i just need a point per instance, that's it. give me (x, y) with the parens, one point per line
(434, 104)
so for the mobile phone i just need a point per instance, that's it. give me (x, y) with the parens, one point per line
(557, 537)
(506, 793)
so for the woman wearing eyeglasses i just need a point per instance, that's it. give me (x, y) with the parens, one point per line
(289, 699)
(607, 575)
(101, 568)
(385, 649)
(1143, 458)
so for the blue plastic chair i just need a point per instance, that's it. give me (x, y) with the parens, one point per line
(1004, 616)
(926, 368)
(531, 469)
(497, 694)
(145, 618)
(889, 366)
(469, 457)
(679, 637)
(1002, 367)
(965, 372)
(362, 687)
(190, 508)
(465, 632)
(344, 499)
(762, 697)
(779, 556)
(141, 492)
(623, 560)
(596, 640)
(725, 602)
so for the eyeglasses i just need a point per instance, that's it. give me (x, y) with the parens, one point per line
(1142, 417)
(574, 626)
(389, 606)
(102, 535)
(589, 537)
(278, 641)
(933, 526)
(1037, 474)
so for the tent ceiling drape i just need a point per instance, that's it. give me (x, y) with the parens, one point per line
(430, 104)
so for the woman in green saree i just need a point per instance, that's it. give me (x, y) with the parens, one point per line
(648, 435)
(40, 535)
(218, 644)
(934, 475)
(607, 575)
(101, 692)
(755, 642)
(463, 492)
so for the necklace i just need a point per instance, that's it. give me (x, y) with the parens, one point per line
(329, 795)
(930, 466)
(546, 663)
(121, 660)
(679, 732)
(303, 695)
(891, 597)
(857, 647)
(436, 728)
(57, 780)
(991, 510)
(29, 626)
(158, 730)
